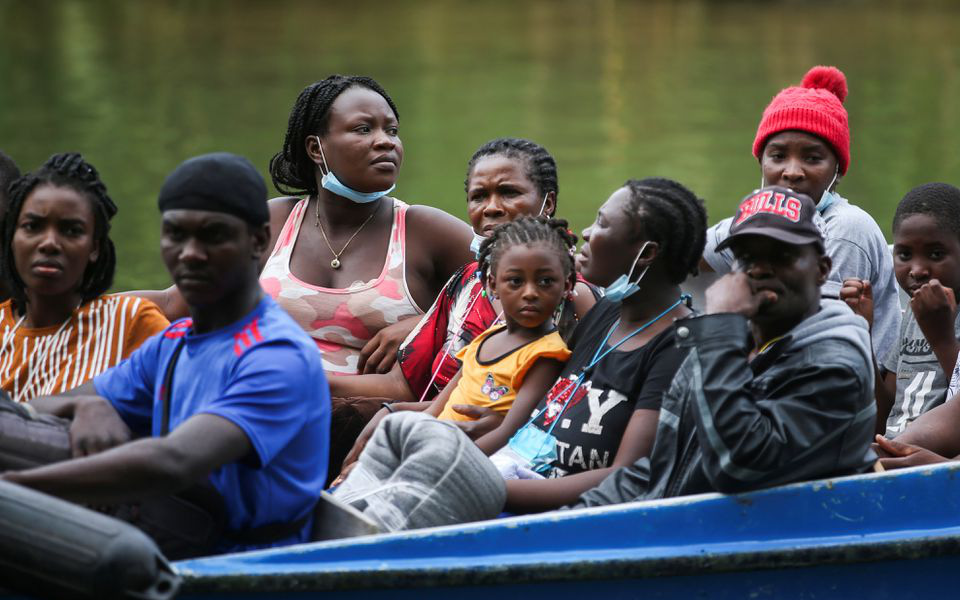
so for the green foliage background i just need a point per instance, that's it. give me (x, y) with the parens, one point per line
(614, 89)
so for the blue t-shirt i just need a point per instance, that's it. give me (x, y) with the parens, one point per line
(264, 375)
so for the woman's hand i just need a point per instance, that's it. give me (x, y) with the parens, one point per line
(379, 354)
(96, 427)
(485, 420)
(898, 455)
(344, 473)
(858, 295)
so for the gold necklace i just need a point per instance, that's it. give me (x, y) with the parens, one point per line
(335, 263)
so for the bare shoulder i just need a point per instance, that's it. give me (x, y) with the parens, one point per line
(421, 218)
(583, 300)
(437, 245)
(440, 232)
(280, 208)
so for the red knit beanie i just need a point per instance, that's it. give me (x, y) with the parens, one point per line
(815, 107)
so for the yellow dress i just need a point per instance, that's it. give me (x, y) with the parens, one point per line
(495, 383)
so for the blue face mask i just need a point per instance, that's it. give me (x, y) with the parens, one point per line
(828, 198)
(624, 288)
(475, 244)
(330, 183)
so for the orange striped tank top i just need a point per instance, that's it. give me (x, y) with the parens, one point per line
(341, 321)
(50, 360)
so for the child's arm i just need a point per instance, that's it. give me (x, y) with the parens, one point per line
(536, 384)
(437, 404)
(935, 309)
(885, 393)
(538, 495)
(936, 429)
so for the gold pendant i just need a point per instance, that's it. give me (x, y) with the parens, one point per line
(335, 263)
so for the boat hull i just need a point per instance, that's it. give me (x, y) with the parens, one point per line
(883, 535)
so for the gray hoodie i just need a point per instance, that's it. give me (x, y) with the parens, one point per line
(802, 409)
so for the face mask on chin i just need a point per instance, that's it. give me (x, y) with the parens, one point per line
(827, 198)
(622, 287)
(332, 184)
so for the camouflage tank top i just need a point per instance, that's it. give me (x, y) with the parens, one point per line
(341, 321)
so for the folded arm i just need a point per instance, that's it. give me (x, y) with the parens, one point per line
(146, 467)
(391, 384)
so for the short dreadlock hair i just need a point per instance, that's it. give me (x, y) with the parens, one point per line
(941, 201)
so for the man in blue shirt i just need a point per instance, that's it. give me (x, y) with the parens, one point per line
(235, 394)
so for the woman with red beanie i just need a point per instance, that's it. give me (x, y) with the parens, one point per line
(803, 143)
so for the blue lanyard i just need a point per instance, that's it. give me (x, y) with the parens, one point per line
(600, 354)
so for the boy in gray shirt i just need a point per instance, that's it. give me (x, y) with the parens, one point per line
(926, 232)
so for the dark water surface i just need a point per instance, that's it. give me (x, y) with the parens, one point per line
(613, 89)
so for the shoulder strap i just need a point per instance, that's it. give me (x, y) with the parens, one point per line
(166, 388)
(265, 534)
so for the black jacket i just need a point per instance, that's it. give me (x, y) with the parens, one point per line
(803, 409)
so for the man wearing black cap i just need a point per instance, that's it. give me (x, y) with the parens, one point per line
(234, 395)
(778, 384)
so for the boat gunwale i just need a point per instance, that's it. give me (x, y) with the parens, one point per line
(905, 540)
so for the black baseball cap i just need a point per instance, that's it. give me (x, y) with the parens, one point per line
(219, 182)
(779, 213)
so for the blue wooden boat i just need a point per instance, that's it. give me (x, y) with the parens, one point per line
(885, 535)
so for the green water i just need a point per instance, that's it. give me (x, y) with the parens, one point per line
(613, 89)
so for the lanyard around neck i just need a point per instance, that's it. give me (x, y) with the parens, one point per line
(601, 353)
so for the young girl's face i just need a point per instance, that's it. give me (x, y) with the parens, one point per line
(530, 282)
(54, 241)
(923, 250)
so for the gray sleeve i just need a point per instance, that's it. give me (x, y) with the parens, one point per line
(721, 262)
(849, 260)
(887, 315)
(869, 260)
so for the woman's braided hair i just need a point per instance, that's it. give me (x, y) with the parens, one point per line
(528, 230)
(8, 173)
(539, 165)
(674, 217)
(292, 171)
(67, 170)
